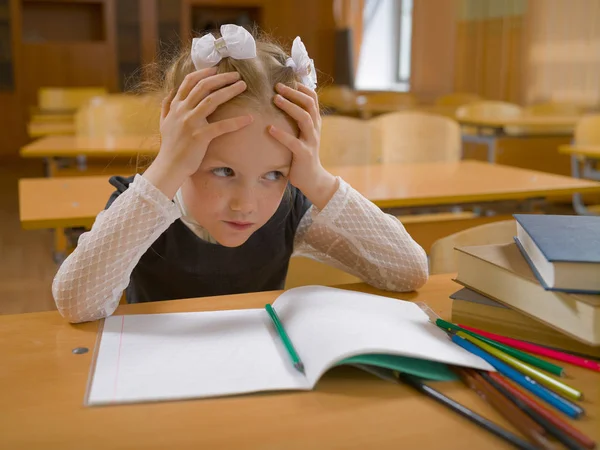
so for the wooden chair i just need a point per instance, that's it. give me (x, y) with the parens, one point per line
(587, 132)
(555, 109)
(457, 99)
(486, 109)
(489, 109)
(119, 115)
(442, 258)
(412, 137)
(112, 116)
(547, 109)
(54, 99)
(346, 141)
(305, 271)
(385, 102)
(339, 99)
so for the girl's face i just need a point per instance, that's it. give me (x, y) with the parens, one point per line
(241, 180)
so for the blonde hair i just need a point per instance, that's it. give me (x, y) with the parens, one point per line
(260, 74)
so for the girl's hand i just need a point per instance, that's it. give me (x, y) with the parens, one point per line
(185, 132)
(306, 172)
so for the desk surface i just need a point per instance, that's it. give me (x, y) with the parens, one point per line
(71, 202)
(524, 121)
(590, 151)
(72, 146)
(43, 383)
(50, 129)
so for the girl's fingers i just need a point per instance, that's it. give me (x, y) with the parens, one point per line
(208, 105)
(224, 126)
(166, 104)
(191, 79)
(302, 98)
(312, 94)
(291, 142)
(304, 119)
(207, 85)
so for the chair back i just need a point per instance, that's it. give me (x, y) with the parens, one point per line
(346, 141)
(414, 137)
(442, 256)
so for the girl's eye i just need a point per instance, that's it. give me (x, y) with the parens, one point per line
(223, 172)
(274, 176)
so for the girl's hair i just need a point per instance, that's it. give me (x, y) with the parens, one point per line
(261, 74)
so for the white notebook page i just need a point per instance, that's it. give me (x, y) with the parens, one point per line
(190, 355)
(327, 325)
(206, 354)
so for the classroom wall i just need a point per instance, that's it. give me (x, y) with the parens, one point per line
(433, 48)
(104, 42)
(490, 48)
(563, 55)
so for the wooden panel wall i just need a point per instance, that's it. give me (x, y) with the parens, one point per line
(312, 20)
(433, 47)
(64, 61)
(93, 59)
(12, 129)
(490, 49)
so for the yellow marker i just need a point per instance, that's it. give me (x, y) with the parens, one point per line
(526, 369)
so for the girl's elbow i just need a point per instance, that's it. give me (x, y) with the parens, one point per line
(415, 276)
(68, 304)
(419, 277)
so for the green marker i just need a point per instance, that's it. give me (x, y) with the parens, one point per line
(285, 338)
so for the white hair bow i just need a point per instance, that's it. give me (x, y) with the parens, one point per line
(236, 42)
(302, 64)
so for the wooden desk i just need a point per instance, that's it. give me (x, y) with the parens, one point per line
(74, 146)
(584, 164)
(521, 121)
(488, 130)
(412, 185)
(585, 151)
(62, 202)
(42, 387)
(111, 151)
(74, 202)
(50, 128)
(39, 117)
(367, 111)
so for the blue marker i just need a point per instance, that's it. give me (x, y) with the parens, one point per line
(553, 399)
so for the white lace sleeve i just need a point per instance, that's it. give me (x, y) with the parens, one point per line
(354, 235)
(90, 281)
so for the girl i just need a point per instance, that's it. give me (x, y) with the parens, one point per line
(236, 188)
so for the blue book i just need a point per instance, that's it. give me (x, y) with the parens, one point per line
(562, 251)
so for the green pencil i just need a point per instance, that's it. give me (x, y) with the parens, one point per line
(525, 357)
(285, 338)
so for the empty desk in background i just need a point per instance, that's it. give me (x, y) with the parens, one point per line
(489, 130)
(50, 128)
(55, 148)
(75, 202)
(584, 164)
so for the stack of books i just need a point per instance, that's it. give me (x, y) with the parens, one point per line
(543, 288)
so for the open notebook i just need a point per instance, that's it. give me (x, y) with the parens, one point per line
(205, 354)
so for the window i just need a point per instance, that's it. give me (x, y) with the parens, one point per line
(385, 55)
(404, 43)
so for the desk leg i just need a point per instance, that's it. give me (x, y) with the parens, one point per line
(60, 245)
(489, 141)
(51, 167)
(578, 204)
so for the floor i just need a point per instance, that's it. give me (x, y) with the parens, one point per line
(26, 264)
